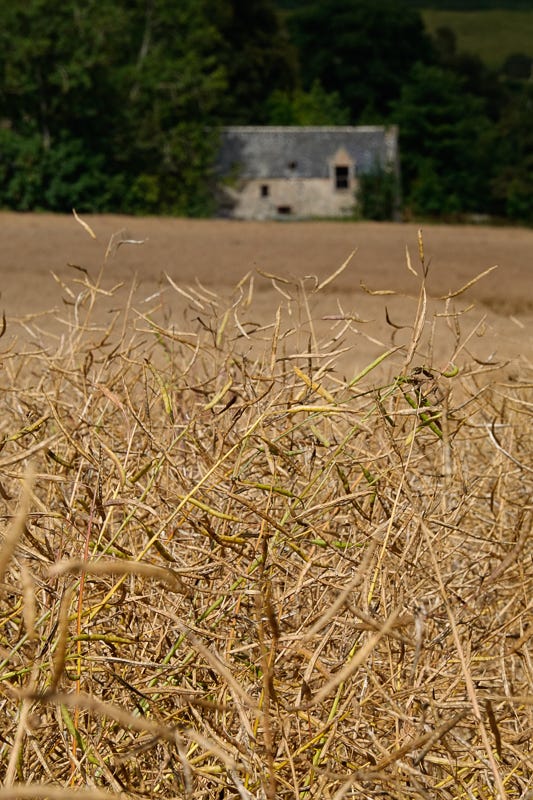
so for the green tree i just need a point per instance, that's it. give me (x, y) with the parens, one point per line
(256, 54)
(518, 67)
(57, 61)
(476, 77)
(175, 90)
(445, 141)
(512, 185)
(362, 49)
(315, 107)
(118, 89)
(377, 194)
(56, 178)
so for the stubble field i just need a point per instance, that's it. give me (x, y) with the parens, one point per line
(219, 254)
(266, 514)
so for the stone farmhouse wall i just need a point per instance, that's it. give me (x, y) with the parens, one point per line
(276, 172)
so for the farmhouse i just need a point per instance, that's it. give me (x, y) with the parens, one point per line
(298, 172)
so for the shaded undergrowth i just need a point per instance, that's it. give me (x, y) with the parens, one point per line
(229, 571)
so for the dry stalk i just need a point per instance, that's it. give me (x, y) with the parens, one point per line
(288, 583)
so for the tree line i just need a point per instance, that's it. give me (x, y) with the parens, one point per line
(115, 105)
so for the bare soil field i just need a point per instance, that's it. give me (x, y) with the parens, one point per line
(219, 253)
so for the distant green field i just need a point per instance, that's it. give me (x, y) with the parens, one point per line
(492, 35)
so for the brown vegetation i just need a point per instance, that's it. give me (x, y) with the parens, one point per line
(219, 253)
(231, 569)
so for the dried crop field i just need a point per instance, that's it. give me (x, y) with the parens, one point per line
(220, 253)
(266, 515)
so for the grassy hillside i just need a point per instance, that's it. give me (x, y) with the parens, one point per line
(493, 35)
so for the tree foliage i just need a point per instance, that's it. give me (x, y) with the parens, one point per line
(362, 49)
(257, 56)
(377, 194)
(314, 107)
(116, 104)
(444, 137)
(512, 184)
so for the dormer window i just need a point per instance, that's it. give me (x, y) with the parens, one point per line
(342, 177)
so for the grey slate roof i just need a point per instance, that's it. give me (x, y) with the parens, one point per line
(303, 152)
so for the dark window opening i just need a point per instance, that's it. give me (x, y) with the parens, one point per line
(342, 178)
(292, 164)
(284, 210)
(265, 190)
